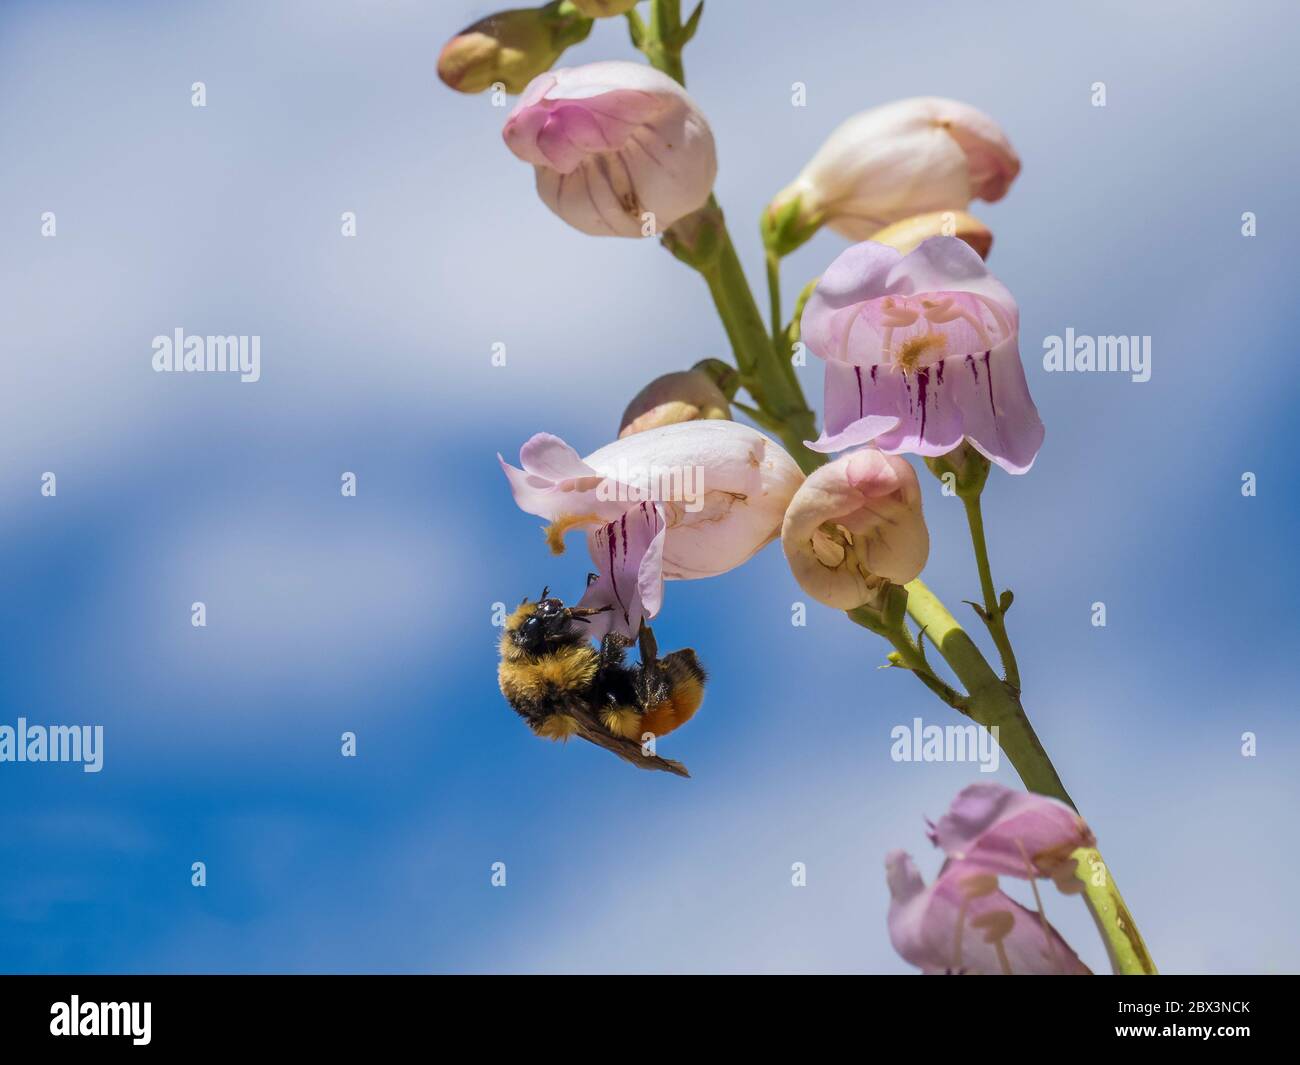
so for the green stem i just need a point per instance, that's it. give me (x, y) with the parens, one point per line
(994, 616)
(770, 378)
(766, 369)
(1124, 945)
(774, 296)
(990, 701)
(663, 44)
(907, 654)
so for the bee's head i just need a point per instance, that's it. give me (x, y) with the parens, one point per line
(536, 626)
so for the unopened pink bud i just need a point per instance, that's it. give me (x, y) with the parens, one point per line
(853, 525)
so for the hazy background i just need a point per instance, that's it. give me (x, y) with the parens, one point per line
(373, 614)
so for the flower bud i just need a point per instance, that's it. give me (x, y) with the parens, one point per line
(907, 235)
(604, 8)
(619, 148)
(963, 468)
(696, 238)
(901, 159)
(722, 374)
(853, 525)
(686, 396)
(510, 47)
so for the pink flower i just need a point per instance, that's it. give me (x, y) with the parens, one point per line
(853, 525)
(687, 500)
(619, 148)
(921, 350)
(963, 924)
(901, 159)
(1012, 833)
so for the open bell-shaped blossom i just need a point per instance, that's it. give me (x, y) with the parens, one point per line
(963, 924)
(687, 500)
(921, 350)
(1012, 833)
(854, 525)
(900, 159)
(619, 148)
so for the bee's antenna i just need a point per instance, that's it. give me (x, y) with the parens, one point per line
(544, 593)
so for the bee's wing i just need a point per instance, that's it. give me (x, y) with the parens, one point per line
(629, 750)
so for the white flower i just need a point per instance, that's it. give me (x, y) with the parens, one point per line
(891, 162)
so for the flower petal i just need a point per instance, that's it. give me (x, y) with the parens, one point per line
(555, 483)
(872, 305)
(962, 924)
(614, 143)
(1015, 833)
(858, 273)
(998, 414)
(900, 159)
(628, 554)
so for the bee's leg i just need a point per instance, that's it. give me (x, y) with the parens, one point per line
(650, 685)
(649, 646)
(612, 650)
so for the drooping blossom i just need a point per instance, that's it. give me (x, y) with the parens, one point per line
(921, 350)
(685, 396)
(854, 525)
(687, 500)
(510, 47)
(619, 149)
(1012, 833)
(963, 924)
(900, 159)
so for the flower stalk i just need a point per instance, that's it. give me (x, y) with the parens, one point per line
(995, 607)
(763, 359)
(1124, 946)
(990, 701)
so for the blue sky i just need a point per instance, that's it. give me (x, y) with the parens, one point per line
(373, 614)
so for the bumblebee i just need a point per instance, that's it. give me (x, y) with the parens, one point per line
(563, 685)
